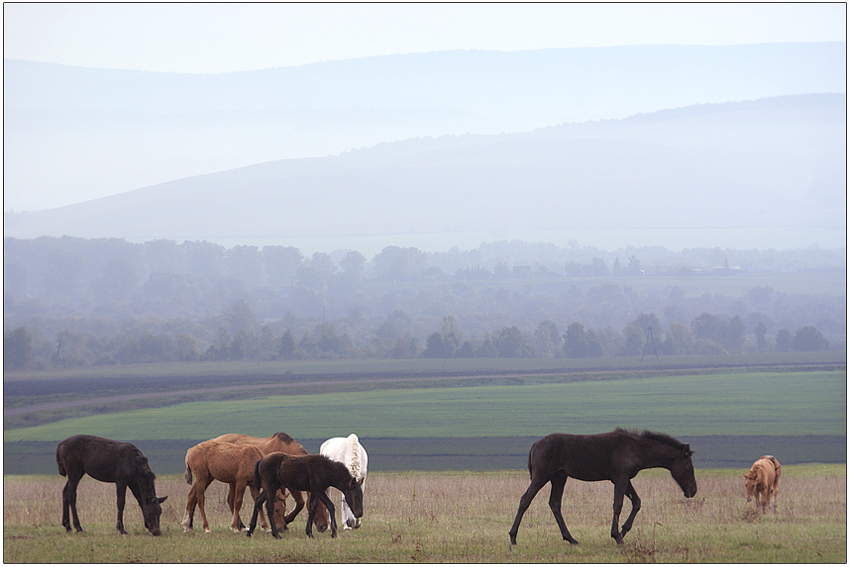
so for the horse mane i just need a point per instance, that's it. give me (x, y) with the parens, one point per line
(147, 475)
(352, 456)
(283, 437)
(654, 436)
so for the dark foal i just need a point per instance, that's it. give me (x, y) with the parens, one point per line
(311, 473)
(617, 456)
(108, 461)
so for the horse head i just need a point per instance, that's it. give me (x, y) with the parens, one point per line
(750, 482)
(152, 510)
(354, 496)
(682, 471)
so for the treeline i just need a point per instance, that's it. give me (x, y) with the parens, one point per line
(75, 302)
(705, 335)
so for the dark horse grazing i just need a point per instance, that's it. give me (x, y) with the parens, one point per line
(309, 473)
(617, 456)
(108, 461)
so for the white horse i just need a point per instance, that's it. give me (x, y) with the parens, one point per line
(348, 451)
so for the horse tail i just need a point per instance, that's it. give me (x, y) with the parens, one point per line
(258, 482)
(529, 459)
(59, 464)
(188, 474)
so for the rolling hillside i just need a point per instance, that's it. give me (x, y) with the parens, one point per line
(775, 167)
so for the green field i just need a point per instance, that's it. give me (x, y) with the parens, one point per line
(727, 403)
(468, 419)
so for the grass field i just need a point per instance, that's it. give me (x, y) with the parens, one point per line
(458, 518)
(731, 415)
(729, 403)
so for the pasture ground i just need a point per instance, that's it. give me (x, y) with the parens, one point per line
(441, 517)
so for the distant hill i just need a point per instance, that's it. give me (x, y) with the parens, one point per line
(96, 132)
(774, 166)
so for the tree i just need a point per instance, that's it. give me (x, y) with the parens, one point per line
(647, 322)
(547, 338)
(616, 270)
(246, 264)
(510, 343)
(70, 347)
(594, 345)
(735, 335)
(239, 316)
(761, 332)
(634, 268)
(707, 327)
(267, 344)
(17, 349)
(634, 340)
(435, 346)
(281, 263)
(678, 339)
(186, 347)
(288, 348)
(783, 340)
(575, 341)
(807, 339)
(117, 279)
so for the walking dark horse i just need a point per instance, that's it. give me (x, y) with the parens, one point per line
(617, 456)
(108, 461)
(310, 473)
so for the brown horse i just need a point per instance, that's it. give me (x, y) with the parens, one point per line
(284, 443)
(227, 462)
(310, 473)
(763, 481)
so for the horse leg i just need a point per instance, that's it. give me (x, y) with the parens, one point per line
(69, 502)
(346, 514)
(619, 495)
(323, 497)
(270, 498)
(255, 493)
(231, 492)
(202, 500)
(555, 498)
(633, 496)
(236, 525)
(258, 505)
(188, 515)
(524, 502)
(299, 504)
(121, 489)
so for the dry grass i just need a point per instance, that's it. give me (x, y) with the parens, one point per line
(455, 517)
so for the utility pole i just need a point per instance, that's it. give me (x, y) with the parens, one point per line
(653, 345)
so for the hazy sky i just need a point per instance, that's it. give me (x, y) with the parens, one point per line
(210, 38)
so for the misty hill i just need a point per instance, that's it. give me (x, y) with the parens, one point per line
(773, 166)
(98, 132)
